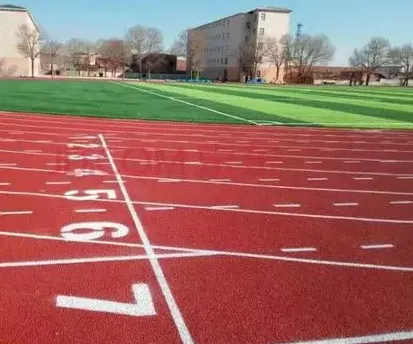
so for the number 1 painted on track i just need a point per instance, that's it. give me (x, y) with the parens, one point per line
(142, 307)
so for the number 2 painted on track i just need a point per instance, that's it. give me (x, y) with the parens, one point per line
(142, 307)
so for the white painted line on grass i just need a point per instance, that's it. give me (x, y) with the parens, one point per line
(376, 247)
(188, 103)
(302, 249)
(159, 274)
(158, 208)
(15, 213)
(380, 338)
(292, 205)
(401, 202)
(348, 204)
(90, 211)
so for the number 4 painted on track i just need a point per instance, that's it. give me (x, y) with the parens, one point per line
(142, 307)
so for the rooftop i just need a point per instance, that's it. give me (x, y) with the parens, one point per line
(8, 7)
(271, 9)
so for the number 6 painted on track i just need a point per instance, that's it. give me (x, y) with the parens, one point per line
(96, 230)
(142, 307)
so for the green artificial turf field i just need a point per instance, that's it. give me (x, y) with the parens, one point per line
(361, 107)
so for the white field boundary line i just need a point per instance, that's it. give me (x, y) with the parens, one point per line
(212, 208)
(159, 274)
(200, 181)
(193, 142)
(88, 260)
(187, 126)
(208, 252)
(186, 103)
(379, 338)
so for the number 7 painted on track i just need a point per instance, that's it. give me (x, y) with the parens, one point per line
(142, 307)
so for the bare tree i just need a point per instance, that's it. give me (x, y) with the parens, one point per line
(116, 53)
(180, 45)
(153, 61)
(51, 50)
(79, 53)
(372, 56)
(308, 51)
(277, 51)
(194, 50)
(30, 43)
(143, 41)
(403, 57)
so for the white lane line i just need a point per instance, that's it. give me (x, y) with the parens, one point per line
(269, 180)
(348, 204)
(223, 207)
(313, 162)
(294, 150)
(299, 249)
(292, 205)
(317, 179)
(234, 162)
(211, 252)
(401, 202)
(363, 178)
(98, 260)
(32, 151)
(44, 141)
(220, 180)
(351, 162)
(158, 208)
(15, 213)
(379, 338)
(58, 183)
(388, 161)
(102, 163)
(7, 165)
(8, 140)
(166, 180)
(193, 163)
(111, 182)
(5, 184)
(402, 178)
(15, 132)
(274, 162)
(90, 211)
(376, 247)
(160, 276)
(187, 103)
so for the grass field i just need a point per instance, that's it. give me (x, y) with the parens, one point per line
(360, 107)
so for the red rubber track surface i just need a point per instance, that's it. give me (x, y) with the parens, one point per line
(239, 234)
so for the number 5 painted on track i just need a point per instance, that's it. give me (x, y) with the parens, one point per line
(142, 307)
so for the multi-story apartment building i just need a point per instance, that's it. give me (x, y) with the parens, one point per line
(12, 62)
(217, 45)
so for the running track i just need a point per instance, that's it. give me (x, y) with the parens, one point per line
(152, 232)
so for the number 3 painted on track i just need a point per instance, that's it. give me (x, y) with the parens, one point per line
(142, 307)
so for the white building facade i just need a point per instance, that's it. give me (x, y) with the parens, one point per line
(220, 41)
(12, 62)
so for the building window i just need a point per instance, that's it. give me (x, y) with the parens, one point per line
(263, 16)
(248, 25)
(262, 31)
(226, 60)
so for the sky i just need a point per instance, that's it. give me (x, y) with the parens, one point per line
(348, 23)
